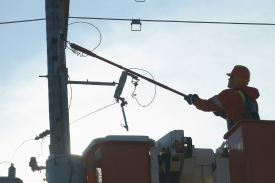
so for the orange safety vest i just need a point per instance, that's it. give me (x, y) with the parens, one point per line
(252, 112)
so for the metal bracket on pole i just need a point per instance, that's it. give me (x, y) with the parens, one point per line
(136, 22)
(92, 83)
(44, 76)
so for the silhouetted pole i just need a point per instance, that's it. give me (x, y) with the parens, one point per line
(57, 79)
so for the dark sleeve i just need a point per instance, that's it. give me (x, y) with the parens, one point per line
(206, 105)
(228, 98)
(220, 113)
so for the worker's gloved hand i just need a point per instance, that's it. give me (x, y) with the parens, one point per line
(220, 113)
(190, 98)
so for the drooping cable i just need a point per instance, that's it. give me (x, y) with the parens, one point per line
(68, 107)
(5, 162)
(134, 95)
(18, 148)
(95, 28)
(71, 93)
(93, 112)
(41, 147)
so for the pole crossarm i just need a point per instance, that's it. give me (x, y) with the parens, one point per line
(88, 52)
(92, 83)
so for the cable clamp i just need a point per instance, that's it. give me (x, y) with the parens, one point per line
(136, 22)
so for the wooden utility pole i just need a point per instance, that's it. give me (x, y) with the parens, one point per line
(56, 18)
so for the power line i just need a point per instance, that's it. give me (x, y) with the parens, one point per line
(20, 21)
(165, 21)
(175, 21)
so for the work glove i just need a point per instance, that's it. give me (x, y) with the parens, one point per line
(190, 98)
(220, 113)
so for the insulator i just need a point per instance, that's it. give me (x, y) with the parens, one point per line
(12, 171)
(53, 149)
(33, 163)
(121, 84)
(42, 135)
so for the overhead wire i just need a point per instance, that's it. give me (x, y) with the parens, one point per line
(165, 21)
(134, 95)
(174, 21)
(21, 21)
(19, 147)
(93, 112)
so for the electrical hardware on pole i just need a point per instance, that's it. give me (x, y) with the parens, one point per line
(118, 92)
(42, 135)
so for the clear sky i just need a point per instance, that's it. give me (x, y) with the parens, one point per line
(191, 58)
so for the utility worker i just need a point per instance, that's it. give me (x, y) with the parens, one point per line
(233, 104)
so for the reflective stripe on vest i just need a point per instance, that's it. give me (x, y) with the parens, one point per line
(243, 97)
(219, 104)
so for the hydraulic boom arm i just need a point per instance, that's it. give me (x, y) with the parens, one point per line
(88, 52)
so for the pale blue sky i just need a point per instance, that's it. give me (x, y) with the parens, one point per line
(191, 58)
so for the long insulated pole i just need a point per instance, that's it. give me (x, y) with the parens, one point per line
(88, 52)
